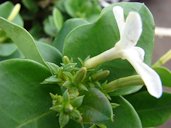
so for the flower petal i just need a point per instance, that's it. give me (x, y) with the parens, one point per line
(132, 30)
(148, 75)
(119, 17)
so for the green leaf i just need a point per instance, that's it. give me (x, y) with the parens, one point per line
(49, 53)
(63, 119)
(93, 39)
(125, 115)
(24, 102)
(153, 112)
(31, 5)
(69, 25)
(77, 102)
(22, 39)
(96, 107)
(49, 26)
(58, 19)
(88, 9)
(7, 49)
(165, 75)
(5, 10)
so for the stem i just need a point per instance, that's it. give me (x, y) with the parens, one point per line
(123, 82)
(164, 59)
(14, 12)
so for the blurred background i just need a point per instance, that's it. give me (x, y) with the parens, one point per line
(161, 10)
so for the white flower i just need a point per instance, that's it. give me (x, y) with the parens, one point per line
(130, 32)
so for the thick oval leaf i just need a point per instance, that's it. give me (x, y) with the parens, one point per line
(49, 28)
(49, 53)
(153, 112)
(165, 75)
(24, 102)
(22, 39)
(58, 19)
(96, 107)
(125, 115)
(69, 25)
(95, 38)
(5, 10)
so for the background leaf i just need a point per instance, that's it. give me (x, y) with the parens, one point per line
(7, 49)
(58, 19)
(87, 9)
(96, 107)
(153, 112)
(22, 39)
(165, 75)
(125, 115)
(68, 26)
(49, 53)
(24, 102)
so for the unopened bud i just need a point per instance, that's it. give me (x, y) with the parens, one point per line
(100, 75)
(66, 60)
(68, 108)
(80, 75)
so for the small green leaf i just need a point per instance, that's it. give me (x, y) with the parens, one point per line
(22, 39)
(165, 75)
(96, 107)
(63, 120)
(125, 115)
(153, 112)
(58, 19)
(49, 26)
(51, 80)
(76, 102)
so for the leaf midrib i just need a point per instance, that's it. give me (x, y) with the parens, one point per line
(33, 119)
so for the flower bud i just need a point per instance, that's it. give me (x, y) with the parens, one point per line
(100, 75)
(80, 75)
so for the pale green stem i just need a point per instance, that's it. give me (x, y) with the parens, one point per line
(14, 12)
(164, 59)
(108, 55)
(123, 82)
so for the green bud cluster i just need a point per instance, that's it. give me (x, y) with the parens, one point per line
(66, 107)
(74, 81)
